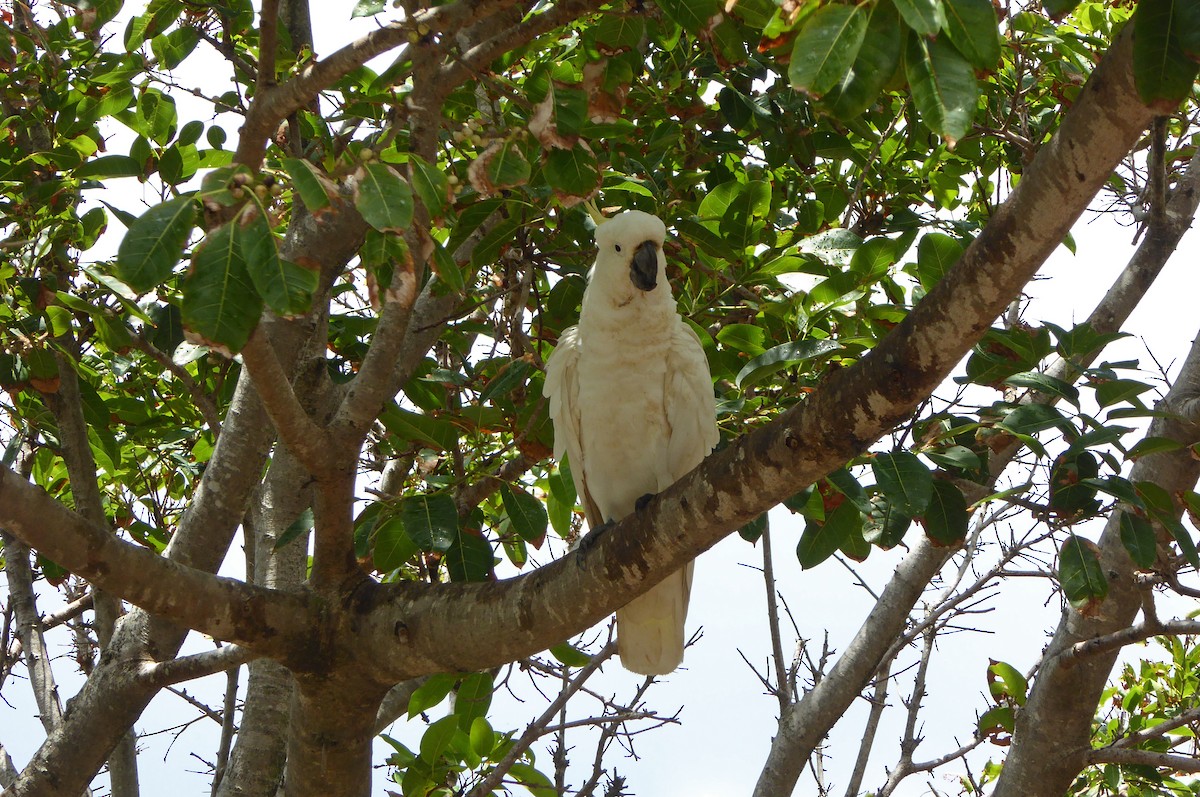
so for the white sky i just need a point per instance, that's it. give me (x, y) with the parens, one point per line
(727, 721)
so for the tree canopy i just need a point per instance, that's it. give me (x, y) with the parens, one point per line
(340, 273)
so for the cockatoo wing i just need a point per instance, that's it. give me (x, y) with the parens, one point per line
(691, 407)
(651, 628)
(562, 390)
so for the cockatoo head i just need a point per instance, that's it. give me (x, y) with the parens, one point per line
(630, 258)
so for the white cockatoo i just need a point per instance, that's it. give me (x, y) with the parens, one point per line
(632, 403)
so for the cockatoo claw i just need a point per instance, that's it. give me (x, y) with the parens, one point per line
(643, 502)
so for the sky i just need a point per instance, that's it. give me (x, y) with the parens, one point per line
(726, 719)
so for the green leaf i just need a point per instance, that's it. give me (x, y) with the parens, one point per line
(154, 244)
(1137, 535)
(447, 269)
(300, 527)
(782, 356)
(368, 8)
(383, 198)
(470, 558)
(314, 187)
(1080, 574)
(845, 483)
(1071, 493)
(925, 17)
(498, 167)
(1006, 684)
(1058, 9)
(424, 430)
(826, 47)
(1028, 419)
(572, 172)
(286, 287)
(820, 540)
(876, 62)
(956, 457)
(885, 524)
(437, 738)
(431, 185)
(431, 693)
(110, 166)
(943, 86)
(537, 783)
(905, 480)
(1162, 71)
(1152, 445)
(1161, 508)
(393, 545)
(512, 376)
(569, 655)
(972, 28)
(741, 224)
(220, 306)
(473, 698)
(1044, 383)
(1116, 391)
(483, 738)
(936, 254)
(526, 513)
(431, 521)
(945, 518)
(753, 531)
(691, 15)
(747, 338)
(172, 48)
(997, 723)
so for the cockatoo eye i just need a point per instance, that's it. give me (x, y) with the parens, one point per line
(617, 247)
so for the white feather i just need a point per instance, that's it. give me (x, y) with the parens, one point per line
(632, 404)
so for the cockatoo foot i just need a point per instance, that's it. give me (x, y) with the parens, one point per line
(641, 503)
(589, 540)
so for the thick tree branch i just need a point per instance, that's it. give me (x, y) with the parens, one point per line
(222, 607)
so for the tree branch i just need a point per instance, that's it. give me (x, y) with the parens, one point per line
(1127, 636)
(1124, 755)
(197, 665)
(222, 607)
(305, 439)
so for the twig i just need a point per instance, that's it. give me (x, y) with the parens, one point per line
(227, 715)
(538, 727)
(782, 687)
(878, 703)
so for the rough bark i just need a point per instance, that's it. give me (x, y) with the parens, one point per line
(256, 766)
(1053, 729)
(333, 723)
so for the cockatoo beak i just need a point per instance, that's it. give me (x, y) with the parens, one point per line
(643, 266)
